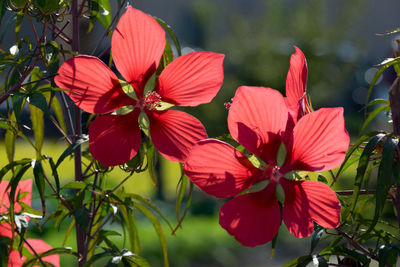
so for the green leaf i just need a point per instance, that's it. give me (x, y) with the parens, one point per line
(55, 174)
(136, 198)
(3, 254)
(134, 259)
(390, 32)
(362, 166)
(384, 179)
(353, 148)
(104, 14)
(13, 164)
(9, 138)
(384, 65)
(387, 255)
(75, 185)
(373, 114)
(130, 224)
(343, 251)
(38, 173)
(33, 260)
(81, 217)
(157, 226)
(171, 33)
(37, 119)
(39, 101)
(2, 9)
(378, 101)
(18, 23)
(70, 150)
(299, 262)
(181, 193)
(315, 238)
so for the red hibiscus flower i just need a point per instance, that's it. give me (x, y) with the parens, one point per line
(137, 45)
(258, 120)
(14, 257)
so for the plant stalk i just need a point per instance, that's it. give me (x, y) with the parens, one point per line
(80, 234)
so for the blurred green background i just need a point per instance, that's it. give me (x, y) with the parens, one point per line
(338, 39)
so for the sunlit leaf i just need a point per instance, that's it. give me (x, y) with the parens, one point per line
(9, 138)
(38, 173)
(157, 227)
(37, 119)
(384, 179)
(70, 150)
(384, 65)
(130, 224)
(171, 33)
(373, 114)
(387, 255)
(362, 166)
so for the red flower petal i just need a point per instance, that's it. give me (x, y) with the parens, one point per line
(307, 201)
(114, 139)
(95, 88)
(219, 169)
(39, 246)
(22, 187)
(320, 141)
(137, 45)
(296, 82)
(192, 79)
(5, 230)
(174, 132)
(256, 119)
(253, 219)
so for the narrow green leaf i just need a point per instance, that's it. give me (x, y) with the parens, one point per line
(299, 262)
(104, 14)
(130, 224)
(2, 9)
(384, 65)
(38, 173)
(183, 186)
(20, 16)
(75, 185)
(81, 217)
(136, 198)
(97, 257)
(378, 101)
(384, 179)
(39, 101)
(9, 138)
(157, 226)
(171, 33)
(343, 251)
(37, 119)
(32, 260)
(362, 166)
(315, 238)
(55, 173)
(135, 260)
(387, 255)
(373, 114)
(13, 164)
(70, 150)
(390, 32)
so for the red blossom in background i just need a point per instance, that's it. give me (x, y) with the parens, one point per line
(137, 45)
(258, 120)
(14, 257)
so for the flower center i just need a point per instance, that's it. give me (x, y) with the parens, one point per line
(152, 100)
(271, 170)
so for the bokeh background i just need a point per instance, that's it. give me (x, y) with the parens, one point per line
(342, 49)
